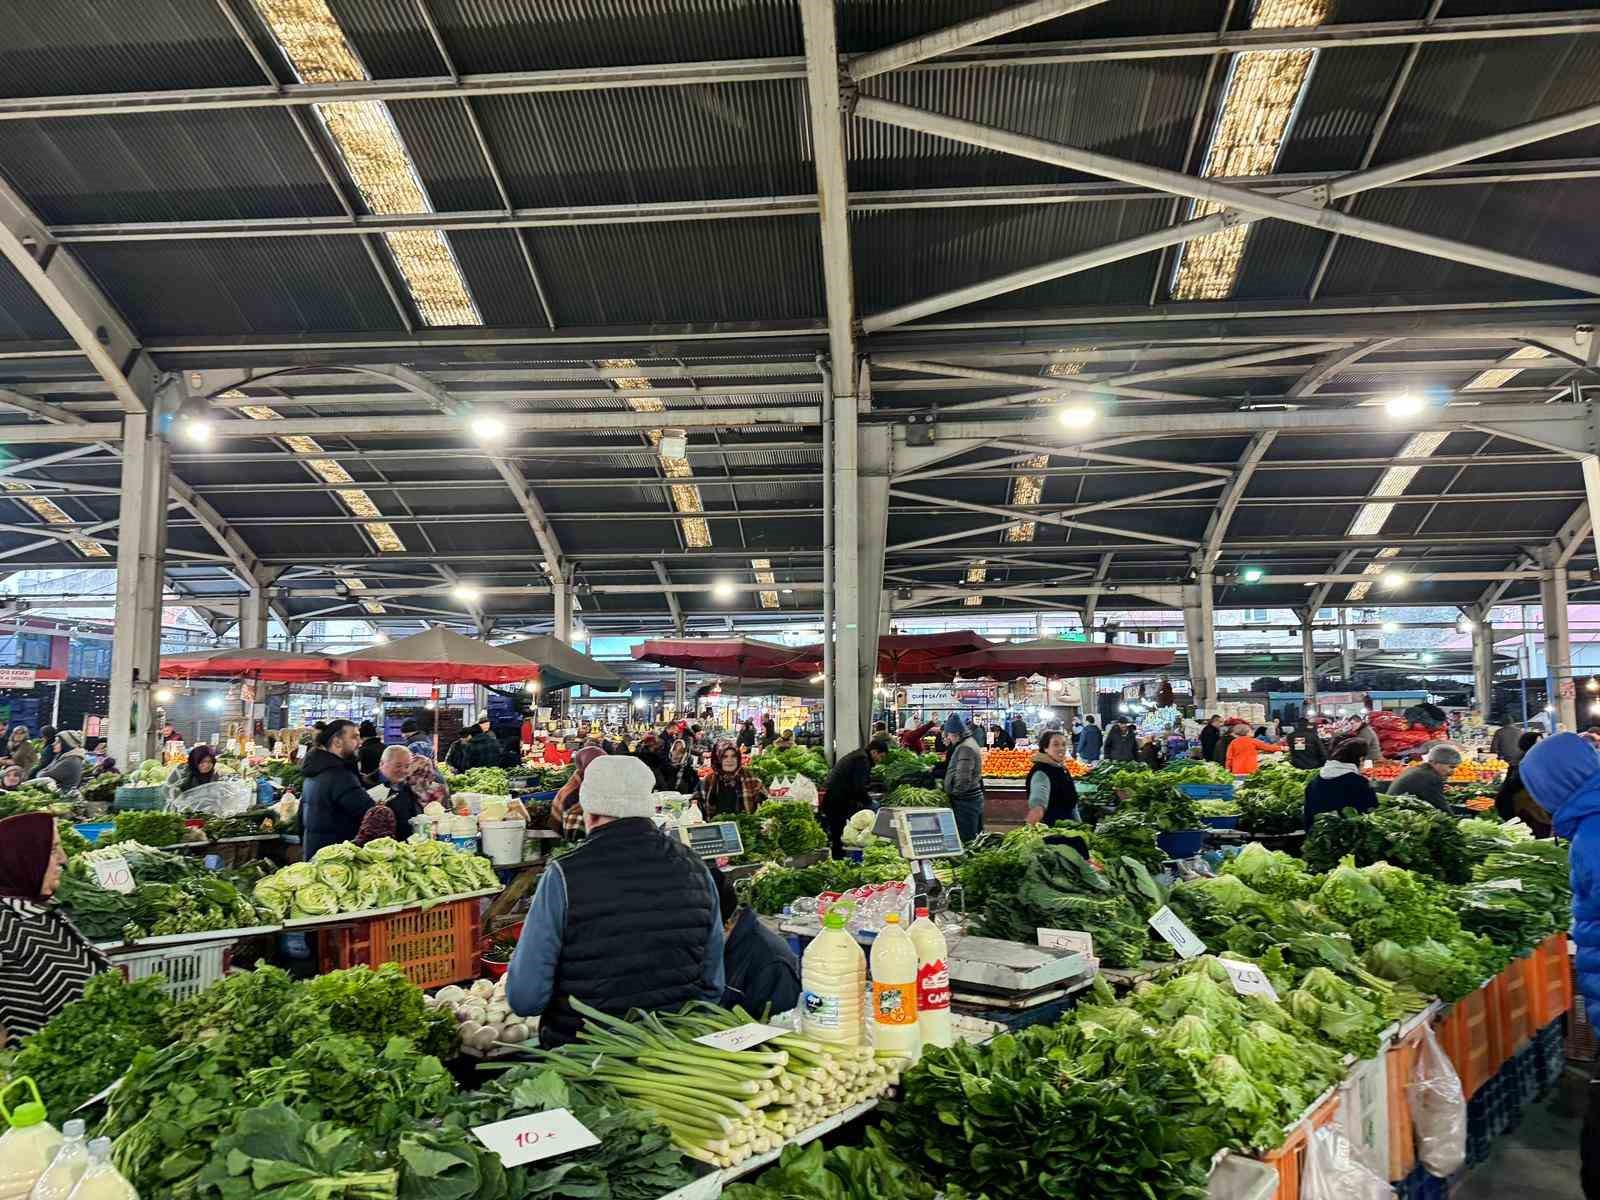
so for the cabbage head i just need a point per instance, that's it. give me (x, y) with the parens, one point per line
(344, 852)
(315, 900)
(378, 850)
(336, 875)
(295, 875)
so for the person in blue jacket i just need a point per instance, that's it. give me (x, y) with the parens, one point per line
(1089, 741)
(1562, 773)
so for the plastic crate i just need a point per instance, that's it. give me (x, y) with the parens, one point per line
(433, 947)
(188, 969)
(1516, 1018)
(139, 799)
(1550, 1054)
(93, 831)
(1289, 1159)
(1466, 1035)
(1364, 1100)
(1551, 981)
(1402, 1141)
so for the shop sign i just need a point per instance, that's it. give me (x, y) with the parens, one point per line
(17, 677)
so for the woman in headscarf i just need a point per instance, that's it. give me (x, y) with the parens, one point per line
(47, 739)
(11, 778)
(20, 750)
(201, 769)
(731, 787)
(565, 811)
(44, 960)
(69, 762)
(682, 777)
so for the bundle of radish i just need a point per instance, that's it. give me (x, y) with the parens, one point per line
(485, 1016)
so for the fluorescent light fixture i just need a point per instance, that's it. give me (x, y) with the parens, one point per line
(1466, 625)
(487, 427)
(641, 703)
(214, 703)
(1078, 414)
(466, 593)
(1252, 574)
(164, 696)
(195, 428)
(723, 589)
(818, 677)
(1393, 580)
(1390, 627)
(1404, 405)
(1428, 658)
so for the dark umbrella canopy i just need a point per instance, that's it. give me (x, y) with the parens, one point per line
(747, 657)
(560, 666)
(439, 655)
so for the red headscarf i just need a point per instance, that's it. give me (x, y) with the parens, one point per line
(26, 841)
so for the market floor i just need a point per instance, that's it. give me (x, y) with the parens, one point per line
(1538, 1160)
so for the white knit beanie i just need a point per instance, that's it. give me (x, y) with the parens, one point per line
(618, 785)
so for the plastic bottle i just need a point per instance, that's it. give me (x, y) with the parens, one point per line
(833, 977)
(27, 1147)
(933, 981)
(101, 1180)
(70, 1162)
(894, 991)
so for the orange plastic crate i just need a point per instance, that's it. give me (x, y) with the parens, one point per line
(1289, 1159)
(1467, 1036)
(1515, 1022)
(434, 946)
(1550, 980)
(1401, 1061)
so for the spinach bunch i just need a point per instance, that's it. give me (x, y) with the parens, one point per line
(1129, 835)
(870, 1172)
(1402, 831)
(1273, 800)
(1059, 890)
(276, 1154)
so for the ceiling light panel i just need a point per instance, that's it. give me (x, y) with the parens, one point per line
(1500, 376)
(51, 513)
(976, 573)
(366, 139)
(686, 497)
(763, 569)
(1370, 519)
(1258, 106)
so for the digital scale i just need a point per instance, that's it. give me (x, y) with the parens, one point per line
(718, 839)
(920, 835)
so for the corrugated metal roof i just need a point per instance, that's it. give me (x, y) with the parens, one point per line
(651, 144)
(870, 24)
(1340, 108)
(52, 49)
(206, 165)
(690, 271)
(23, 316)
(389, 37)
(265, 285)
(907, 255)
(527, 35)
(498, 276)
(446, 154)
(1140, 109)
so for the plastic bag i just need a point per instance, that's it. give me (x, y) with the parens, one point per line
(225, 798)
(795, 788)
(1332, 1172)
(1438, 1109)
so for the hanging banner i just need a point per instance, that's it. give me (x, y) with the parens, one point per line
(18, 677)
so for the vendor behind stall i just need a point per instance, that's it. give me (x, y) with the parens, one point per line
(629, 919)
(200, 770)
(731, 787)
(762, 973)
(845, 790)
(44, 960)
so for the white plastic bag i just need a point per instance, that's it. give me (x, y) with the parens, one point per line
(1438, 1109)
(795, 788)
(1332, 1172)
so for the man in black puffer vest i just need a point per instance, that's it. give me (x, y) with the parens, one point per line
(630, 919)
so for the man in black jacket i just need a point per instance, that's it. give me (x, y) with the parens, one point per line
(1305, 747)
(333, 800)
(760, 970)
(1210, 735)
(1121, 745)
(845, 789)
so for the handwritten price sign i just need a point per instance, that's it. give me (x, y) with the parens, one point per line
(1178, 935)
(742, 1037)
(1073, 940)
(1248, 979)
(113, 874)
(535, 1136)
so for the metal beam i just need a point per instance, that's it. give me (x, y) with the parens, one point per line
(1018, 516)
(1302, 208)
(1497, 26)
(1228, 503)
(827, 141)
(1336, 360)
(956, 37)
(77, 303)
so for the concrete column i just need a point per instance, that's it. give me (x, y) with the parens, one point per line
(1483, 667)
(872, 535)
(141, 551)
(254, 614)
(1347, 649)
(1557, 645)
(848, 586)
(1200, 635)
(562, 630)
(1308, 661)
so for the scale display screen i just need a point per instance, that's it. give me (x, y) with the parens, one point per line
(717, 840)
(927, 832)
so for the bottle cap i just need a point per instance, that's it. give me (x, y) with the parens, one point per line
(100, 1147)
(73, 1128)
(892, 919)
(834, 920)
(921, 912)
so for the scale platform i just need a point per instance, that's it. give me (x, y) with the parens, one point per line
(995, 967)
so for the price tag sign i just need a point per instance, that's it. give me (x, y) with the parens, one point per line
(742, 1037)
(535, 1136)
(1177, 935)
(1074, 940)
(114, 874)
(1248, 979)
(1504, 885)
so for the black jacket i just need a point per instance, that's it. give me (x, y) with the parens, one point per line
(846, 787)
(369, 755)
(333, 800)
(1347, 790)
(1063, 804)
(747, 737)
(1210, 735)
(1120, 744)
(761, 970)
(639, 908)
(683, 778)
(1423, 782)
(1305, 748)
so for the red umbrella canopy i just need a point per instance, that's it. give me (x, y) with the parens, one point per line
(1058, 660)
(439, 655)
(280, 666)
(731, 656)
(919, 657)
